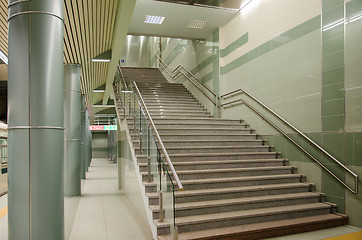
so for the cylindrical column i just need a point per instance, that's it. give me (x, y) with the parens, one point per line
(36, 133)
(72, 133)
(90, 145)
(88, 140)
(83, 134)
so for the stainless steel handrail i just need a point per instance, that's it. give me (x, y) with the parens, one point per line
(178, 70)
(179, 184)
(122, 77)
(240, 91)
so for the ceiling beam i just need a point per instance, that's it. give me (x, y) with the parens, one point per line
(123, 19)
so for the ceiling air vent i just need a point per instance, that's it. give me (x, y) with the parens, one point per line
(197, 24)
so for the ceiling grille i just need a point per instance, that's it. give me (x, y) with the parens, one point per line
(198, 24)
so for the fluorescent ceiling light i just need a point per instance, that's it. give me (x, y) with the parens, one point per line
(355, 18)
(154, 19)
(333, 24)
(102, 91)
(244, 3)
(101, 60)
(125, 91)
(4, 58)
(104, 106)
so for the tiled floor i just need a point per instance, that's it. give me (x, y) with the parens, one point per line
(3, 218)
(104, 213)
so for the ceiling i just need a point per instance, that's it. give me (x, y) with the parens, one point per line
(90, 26)
(177, 17)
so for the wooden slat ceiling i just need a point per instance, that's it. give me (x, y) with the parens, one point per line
(4, 26)
(88, 32)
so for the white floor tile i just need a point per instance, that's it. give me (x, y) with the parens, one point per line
(103, 211)
(88, 235)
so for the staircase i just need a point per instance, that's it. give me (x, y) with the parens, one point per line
(235, 185)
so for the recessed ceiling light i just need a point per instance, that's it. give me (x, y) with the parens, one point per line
(3, 57)
(154, 19)
(103, 106)
(197, 24)
(100, 60)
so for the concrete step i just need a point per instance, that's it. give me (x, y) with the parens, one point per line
(185, 157)
(169, 97)
(206, 142)
(173, 108)
(241, 181)
(175, 115)
(165, 92)
(225, 164)
(228, 173)
(227, 219)
(150, 101)
(239, 204)
(212, 125)
(178, 111)
(213, 137)
(205, 131)
(201, 120)
(266, 230)
(218, 149)
(174, 104)
(162, 85)
(235, 192)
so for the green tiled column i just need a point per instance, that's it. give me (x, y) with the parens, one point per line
(333, 65)
(36, 134)
(333, 99)
(216, 69)
(72, 134)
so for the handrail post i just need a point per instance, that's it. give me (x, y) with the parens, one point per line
(160, 201)
(130, 108)
(148, 154)
(149, 169)
(175, 233)
(157, 135)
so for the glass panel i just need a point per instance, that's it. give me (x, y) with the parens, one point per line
(168, 197)
(149, 148)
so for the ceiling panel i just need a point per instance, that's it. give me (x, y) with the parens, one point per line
(177, 16)
(4, 26)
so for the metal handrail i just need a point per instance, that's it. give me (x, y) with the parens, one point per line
(240, 91)
(178, 70)
(179, 184)
(122, 77)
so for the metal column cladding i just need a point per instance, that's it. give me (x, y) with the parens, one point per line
(72, 133)
(83, 135)
(88, 140)
(36, 134)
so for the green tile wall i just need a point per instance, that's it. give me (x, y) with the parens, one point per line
(339, 98)
(333, 61)
(234, 45)
(282, 39)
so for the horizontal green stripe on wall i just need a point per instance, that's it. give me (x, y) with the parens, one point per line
(207, 77)
(234, 45)
(204, 64)
(280, 40)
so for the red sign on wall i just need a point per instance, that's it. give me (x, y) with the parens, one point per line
(96, 127)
